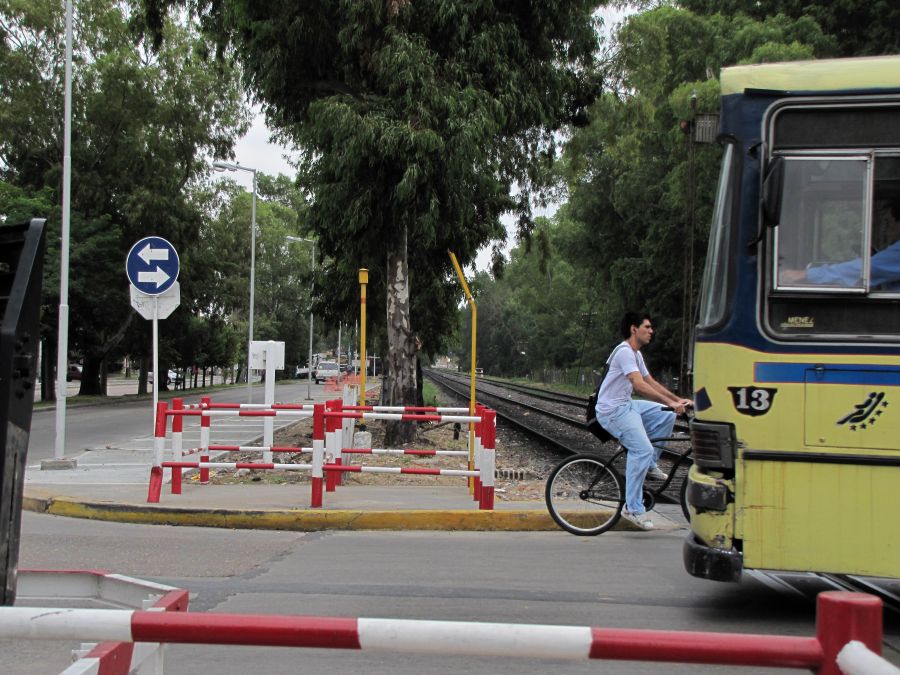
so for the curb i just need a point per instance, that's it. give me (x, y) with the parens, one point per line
(306, 520)
(300, 520)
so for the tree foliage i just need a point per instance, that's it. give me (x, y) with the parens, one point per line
(142, 124)
(632, 234)
(416, 120)
(858, 27)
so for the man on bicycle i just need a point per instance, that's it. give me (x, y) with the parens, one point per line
(633, 422)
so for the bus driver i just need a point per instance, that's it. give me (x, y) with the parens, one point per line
(884, 266)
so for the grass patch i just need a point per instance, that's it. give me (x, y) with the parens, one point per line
(430, 393)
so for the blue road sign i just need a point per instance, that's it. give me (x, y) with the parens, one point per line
(152, 265)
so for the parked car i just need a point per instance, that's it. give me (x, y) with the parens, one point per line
(172, 377)
(301, 371)
(325, 370)
(74, 372)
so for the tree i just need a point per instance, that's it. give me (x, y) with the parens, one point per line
(143, 122)
(859, 27)
(416, 119)
(283, 275)
(640, 191)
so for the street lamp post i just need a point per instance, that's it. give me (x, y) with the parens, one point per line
(226, 166)
(62, 355)
(309, 362)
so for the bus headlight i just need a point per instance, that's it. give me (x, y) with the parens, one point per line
(714, 444)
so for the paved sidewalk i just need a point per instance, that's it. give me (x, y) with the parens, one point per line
(286, 506)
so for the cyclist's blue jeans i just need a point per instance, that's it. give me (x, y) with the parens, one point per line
(633, 425)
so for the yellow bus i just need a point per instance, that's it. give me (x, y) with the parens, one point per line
(797, 349)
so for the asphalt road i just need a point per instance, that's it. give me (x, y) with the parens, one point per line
(620, 579)
(98, 426)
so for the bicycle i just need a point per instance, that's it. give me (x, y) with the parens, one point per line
(585, 494)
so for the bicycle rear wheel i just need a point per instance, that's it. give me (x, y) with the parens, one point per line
(585, 495)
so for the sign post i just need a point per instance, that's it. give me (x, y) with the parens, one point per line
(152, 267)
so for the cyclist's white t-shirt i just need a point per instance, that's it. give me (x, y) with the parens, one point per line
(616, 389)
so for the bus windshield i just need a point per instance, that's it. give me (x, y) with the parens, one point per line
(715, 289)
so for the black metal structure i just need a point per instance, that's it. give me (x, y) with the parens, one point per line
(21, 265)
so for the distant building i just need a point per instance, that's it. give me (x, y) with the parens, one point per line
(444, 362)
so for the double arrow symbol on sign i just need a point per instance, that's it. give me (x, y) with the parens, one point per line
(158, 276)
(148, 254)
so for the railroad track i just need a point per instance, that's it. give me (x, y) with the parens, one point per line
(559, 426)
(556, 419)
(810, 584)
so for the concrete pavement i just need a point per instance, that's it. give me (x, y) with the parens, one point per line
(118, 492)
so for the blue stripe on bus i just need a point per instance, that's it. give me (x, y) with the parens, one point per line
(865, 374)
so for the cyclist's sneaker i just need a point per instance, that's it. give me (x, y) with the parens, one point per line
(642, 520)
(655, 474)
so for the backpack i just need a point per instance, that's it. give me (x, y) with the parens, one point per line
(590, 413)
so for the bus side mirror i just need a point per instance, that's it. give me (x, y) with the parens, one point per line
(772, 191)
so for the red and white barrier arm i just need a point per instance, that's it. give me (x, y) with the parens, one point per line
(857, 659)
(406, 409)
(251, 413)
(262, 466)
(452, 638)
(397, 469)
(248, 406)
(403, 451)
(406, 417)
(255, 448)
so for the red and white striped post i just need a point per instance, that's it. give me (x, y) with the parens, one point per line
(205, 421)
(841, 617)
(476, 452)
(488, 443)
(339, 441)
(318, 455)
(159, 445)
(177, 455)
(332, 443)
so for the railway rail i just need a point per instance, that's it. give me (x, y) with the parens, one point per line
(810, 584)
(557, 419)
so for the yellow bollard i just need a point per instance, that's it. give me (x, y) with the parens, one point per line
(471, 301)
(363, 280)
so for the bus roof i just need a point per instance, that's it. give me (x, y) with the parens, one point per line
(863, 73)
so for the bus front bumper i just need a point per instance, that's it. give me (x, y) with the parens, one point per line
(706, 562)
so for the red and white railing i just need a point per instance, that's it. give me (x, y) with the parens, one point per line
(329, 433)
(333, 467)
(841, 618)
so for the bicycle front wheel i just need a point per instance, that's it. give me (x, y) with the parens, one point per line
(585, 495)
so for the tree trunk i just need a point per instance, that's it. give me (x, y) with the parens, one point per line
(91, 384)
(48, 370)
(142, 377)
(401, 370)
